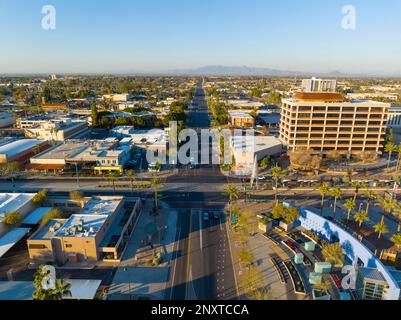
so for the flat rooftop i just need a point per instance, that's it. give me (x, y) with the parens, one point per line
(10, 202)
(15, 147)
(62, 151)
(102, 205)
(36, 216)
(82, 225)
(47, 231)
(254, 143)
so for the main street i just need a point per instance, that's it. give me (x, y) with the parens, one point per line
(202, 267)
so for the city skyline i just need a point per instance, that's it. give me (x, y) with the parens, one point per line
(160, 37)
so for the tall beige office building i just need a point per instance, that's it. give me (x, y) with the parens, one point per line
(323, 122)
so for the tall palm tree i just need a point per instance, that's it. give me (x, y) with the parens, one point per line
(131, 175)
(387, 204)
(336, 192)
(398, 157)
(361, 217)
(324, 190)
(390, 148)
(277, 172)
(370, 196)
(112, 178)
(233, 193)
(357, 185)
(155, 183)
(381, 228)
(350, 205)
(333, 253)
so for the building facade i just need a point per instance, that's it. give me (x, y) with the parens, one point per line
(319, 85)
(323, 122)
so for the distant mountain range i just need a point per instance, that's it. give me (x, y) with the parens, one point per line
(219, 70)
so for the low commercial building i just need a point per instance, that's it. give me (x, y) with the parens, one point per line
(6, 119)
(98, 232)
(241, 119)
(246, 148)
(72, 152)
(244, 104)
(122, 97)
(21, 150)
(57, 130)
(14, 202)
(113, 160)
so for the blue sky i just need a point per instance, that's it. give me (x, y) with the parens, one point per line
(155, 35)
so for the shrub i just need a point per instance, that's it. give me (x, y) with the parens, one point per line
(12, 218)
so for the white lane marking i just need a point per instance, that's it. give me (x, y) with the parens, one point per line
(200, 229)
(175, 263)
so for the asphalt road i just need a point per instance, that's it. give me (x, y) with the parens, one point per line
(202, 267)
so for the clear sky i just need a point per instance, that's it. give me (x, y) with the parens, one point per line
(157, 35)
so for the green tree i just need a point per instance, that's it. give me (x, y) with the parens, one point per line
(333, 253)
(350, 205)
(265, 162)
(390, 148)
(291, 214)
(233, 193)
(12, 218)
(370, 197)
(112, 178)
(336, 192)
(246, 257)
(381, 228)
(277, 172)
(155, 183)
(324, 190)
(54, 213)
(78, 196)
(61, 289)
(40, 198)
(361, 217)
(131, 176)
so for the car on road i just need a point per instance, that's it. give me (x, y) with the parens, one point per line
(206, 216)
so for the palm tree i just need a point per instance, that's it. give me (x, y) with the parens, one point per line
(398, 157)
(155, 183)
(357, 185)
(77, 196)
(233, 193)
(387, 204)
(333, 253)
(361, 217)
(349, 205)
(324, 286)
(337, 194)
(349, 175)
(277, 172)
(324, 190)
(131, 175)
(370, 196)
(381, 228)
(390, 148)
(396, 239)
(112, 178)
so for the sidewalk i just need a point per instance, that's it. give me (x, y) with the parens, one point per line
(133, 280)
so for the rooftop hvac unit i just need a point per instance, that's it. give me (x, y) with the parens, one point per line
(91, 230)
